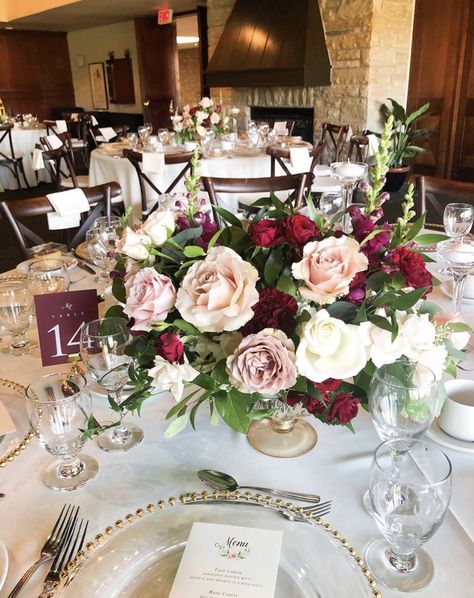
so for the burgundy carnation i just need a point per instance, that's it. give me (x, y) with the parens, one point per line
(274, 309)
(299, 230)
(344, 408)
(413, 268)
(266, 233)
(169, 346)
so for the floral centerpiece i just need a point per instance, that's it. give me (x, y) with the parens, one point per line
(193, 122)
(283, 305)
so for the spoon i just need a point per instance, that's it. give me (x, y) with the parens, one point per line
(223, 481)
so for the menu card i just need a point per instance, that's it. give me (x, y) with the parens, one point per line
(227, 561)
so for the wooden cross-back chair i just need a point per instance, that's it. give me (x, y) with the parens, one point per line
(279, 155)
(95, 134)
(60, 164)
(295, 184)
(15, 210)
(8, 159)
(334, 135)
(358, 145)
(136, 159)
(433, 194)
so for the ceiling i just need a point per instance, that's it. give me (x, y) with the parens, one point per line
(84, 14)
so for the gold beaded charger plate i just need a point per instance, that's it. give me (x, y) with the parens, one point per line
(140, 554)
(12, 395)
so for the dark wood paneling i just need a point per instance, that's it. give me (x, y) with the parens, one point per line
(35, 72)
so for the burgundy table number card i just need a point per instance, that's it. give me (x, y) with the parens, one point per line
(60, 317)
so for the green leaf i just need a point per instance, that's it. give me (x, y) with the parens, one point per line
(219, 373)
(407, 300)
(458, 327)
(204, 381)
(118, 289)
(186, 235)
(273, 266)
(193, 251)
(177, 408)
(417, 113)
(113, 404)
(377, 281)
(215, 238)
(312, 211)
(187, 328)
(381, 322)
(233, 410)
(430, 238)
(214, 416)
(228, 216)
(285, 284)
(343, 310)
(115, 311)
(415, 228)
(177, 425)
(430, 308)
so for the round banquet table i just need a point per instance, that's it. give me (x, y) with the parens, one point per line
(105, 168)
(337, 469)
(24, 141)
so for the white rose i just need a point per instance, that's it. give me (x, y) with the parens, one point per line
(132, 243)
(329, 348)
(381, 348)
(200, 116)
(417, 332)
(215, 118)
(434, 359)
(206, 102)
(171, 376)
(159, 226)
(201, 131)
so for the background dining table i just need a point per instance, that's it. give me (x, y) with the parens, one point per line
(337, 469)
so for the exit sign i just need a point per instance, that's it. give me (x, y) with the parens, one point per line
(165, 16)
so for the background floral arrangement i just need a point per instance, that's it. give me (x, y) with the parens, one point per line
(283, 304)
(192, 123)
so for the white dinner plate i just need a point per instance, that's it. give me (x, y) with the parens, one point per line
(3, 564)
(70, 262)
(141, 557)
(440, 436)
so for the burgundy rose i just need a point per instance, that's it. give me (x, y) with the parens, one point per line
(344, 408)
(299, 230)
(311, 404)
(266, 233)
(274, 309)
(169, 346)
(413, 268)
(328, 385)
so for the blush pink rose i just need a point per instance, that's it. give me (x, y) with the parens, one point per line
(328, 267)
(218, 292)
(264, 362)
(149, 298)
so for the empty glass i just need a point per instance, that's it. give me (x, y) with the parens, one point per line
(148, 127)
(98, 256)
(132, 139)
(253, 135)
(458, 255)
(59, 406)
(164, 136)
(103, 345)
(144, 135)
(16, 314)
(48, 276)
(458, 219)
(410, 489)
(263, 130)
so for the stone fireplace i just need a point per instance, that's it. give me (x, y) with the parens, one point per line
(303, 117)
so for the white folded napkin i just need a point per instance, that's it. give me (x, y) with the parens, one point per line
(56, 222)
(94, 121)
(7, 425)
(54, 141)
(153, 162)
(373, 145)
(37, 162)
(280, 127)
(349, 134)
(61, 126)
(68, 206)
(299, 159)
(108, 133)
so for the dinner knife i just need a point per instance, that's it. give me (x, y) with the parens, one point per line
(85, 267)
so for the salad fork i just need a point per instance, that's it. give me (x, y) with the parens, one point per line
(53, 543)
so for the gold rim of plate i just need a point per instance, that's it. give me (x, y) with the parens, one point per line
(236, 497)
(26, 440)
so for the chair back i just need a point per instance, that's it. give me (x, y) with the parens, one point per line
(358, 145)
(334, 136)
(6, 136)
(15, 210)
(295, 183)
(53, 159)
(136, 159)
(433, 194)
(279, 155)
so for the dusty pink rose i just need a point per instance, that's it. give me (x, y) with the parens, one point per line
(150, 296)
(264, 362)
(328, 267)
(218, 292)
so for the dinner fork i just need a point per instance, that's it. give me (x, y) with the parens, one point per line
(53, 542)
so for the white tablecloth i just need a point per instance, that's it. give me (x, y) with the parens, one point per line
(337, 469)
(24, 141)
(106, 168)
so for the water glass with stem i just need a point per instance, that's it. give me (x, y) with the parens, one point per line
(59, 406)
(98, 256)
(103, 343)
(350, 174)
(164, 137)
(144, 135)
(458, 255)
(458, 219)
(48, 276)
(132, 139)
(410, 490)
(16, 315)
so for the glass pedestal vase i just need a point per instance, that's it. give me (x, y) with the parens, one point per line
(285, 433)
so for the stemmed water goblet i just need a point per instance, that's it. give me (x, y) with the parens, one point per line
(457, 221)
(349, 173)
(253, 135)
(164, 137)
(410, 490)
(103, 350)
(48, 276)
(59, 406)
(144, 134)
(458, 255)
(132, 139)
(263, 130)
(149, 127)
(98, 256)
(16, 315)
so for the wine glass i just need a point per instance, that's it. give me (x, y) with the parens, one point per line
(349, 173)
(59, 406)
(263, 130)
(48, 276)
(98, 256)
(458, 255)
(144, 134)
(253, 135)
(410, 489)
(132, 139)
(148, 127)
(164, 137)
(16, 314)
(458, 219)
(103, 344)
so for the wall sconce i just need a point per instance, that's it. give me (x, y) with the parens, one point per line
(80, 60)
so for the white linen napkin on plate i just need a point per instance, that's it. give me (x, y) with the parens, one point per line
(94, 121)
(299, 159)
(61, 126)
(108, 133)
(373, 145)
(153, 162)
(7, 425)
(68, 206)
(54, 141)
(37, 161)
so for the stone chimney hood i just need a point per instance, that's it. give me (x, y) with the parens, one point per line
(271, 43)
